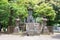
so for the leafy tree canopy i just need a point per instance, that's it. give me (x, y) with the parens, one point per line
(45, 9)
(4, 11)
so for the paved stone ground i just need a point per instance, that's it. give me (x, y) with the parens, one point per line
(56, 36)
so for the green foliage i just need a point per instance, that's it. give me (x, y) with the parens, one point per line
(39, 19)
(45, 9)
(4, 12)
(56, 7)
(19, 8)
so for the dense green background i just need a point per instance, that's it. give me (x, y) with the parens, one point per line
(48, 8)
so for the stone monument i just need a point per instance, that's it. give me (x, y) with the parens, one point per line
(32, 28)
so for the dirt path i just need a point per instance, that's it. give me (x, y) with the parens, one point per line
(41, 37)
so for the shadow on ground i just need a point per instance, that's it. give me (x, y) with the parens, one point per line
(57, 36)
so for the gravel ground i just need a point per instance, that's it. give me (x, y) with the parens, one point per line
(56, 36)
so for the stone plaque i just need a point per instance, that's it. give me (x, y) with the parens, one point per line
(32, 28)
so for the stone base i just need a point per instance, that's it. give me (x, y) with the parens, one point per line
(10, 29)
(50, 28)
(32, 28)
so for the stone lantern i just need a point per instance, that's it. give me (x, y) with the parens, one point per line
(44, 27)
(44, 20)
(16, 30)
(17, 21)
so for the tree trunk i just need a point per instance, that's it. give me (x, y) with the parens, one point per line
(10, 20)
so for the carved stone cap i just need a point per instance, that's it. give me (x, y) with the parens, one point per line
(30, 8)
(17, 20)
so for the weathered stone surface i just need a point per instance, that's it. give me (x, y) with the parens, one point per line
(32, 28)
(16, 30)
(10, 29)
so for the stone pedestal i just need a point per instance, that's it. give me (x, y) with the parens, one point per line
(22, 26)
(50, 28)
(10, 29)
(32, 28)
